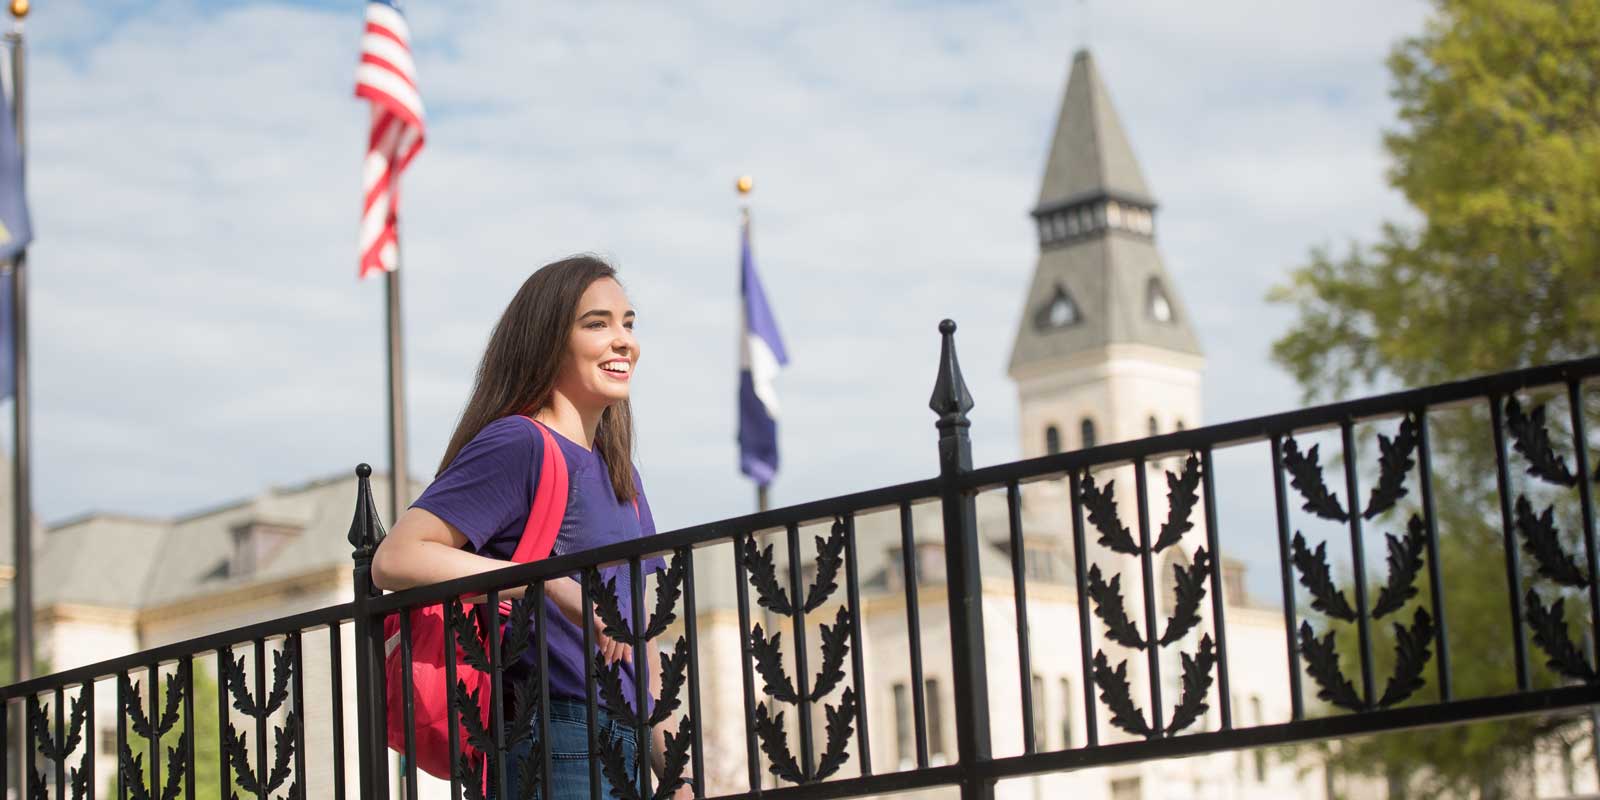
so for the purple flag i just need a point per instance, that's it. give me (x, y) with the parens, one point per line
(761, 354)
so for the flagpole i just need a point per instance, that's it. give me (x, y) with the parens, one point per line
(744, 185)
(399, 488)
(21, 483)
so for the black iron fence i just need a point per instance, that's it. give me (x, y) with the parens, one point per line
(805, 725)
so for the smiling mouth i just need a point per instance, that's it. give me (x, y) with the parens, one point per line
(617, 368)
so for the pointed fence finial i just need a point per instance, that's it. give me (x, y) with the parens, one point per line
(951, 401)
(366, 528)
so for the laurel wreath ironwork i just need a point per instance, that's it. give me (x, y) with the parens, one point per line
(1541, 539)
(235, 745)
(1412, 644)
(130, 766)
(59, 751)
(1190, 586)
(767, 652)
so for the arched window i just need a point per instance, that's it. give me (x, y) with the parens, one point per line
(1179, 426)
(1155, 427)
(1158, 305)
(1061, 311)
(1086, 432)
(1052, 440)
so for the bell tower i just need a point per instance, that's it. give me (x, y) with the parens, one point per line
(1105, 349)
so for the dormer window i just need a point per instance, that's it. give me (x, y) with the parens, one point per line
(256, 542)
(1060, 312)
(1158, 305)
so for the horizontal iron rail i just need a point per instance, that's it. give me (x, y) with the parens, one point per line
(1567, 698)
(1259, 428)
(200, 645)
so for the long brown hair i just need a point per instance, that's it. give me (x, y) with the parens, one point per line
(526, 352)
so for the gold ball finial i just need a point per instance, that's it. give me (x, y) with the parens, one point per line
(19, 8)
(744, 184)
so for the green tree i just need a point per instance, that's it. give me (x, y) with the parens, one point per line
(1498, 150)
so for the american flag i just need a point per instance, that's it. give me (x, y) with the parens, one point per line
(387, 78)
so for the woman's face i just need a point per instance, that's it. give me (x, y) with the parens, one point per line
(601, 350)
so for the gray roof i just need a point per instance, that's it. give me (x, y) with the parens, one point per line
(1090, 154)
(1108, 274)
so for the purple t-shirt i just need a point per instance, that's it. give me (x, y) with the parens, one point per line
(487, 492)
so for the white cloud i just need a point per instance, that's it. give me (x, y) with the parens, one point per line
(199, 333)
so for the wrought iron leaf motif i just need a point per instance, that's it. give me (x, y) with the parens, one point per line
(675, 758)
(835, 646)
(764, 576)
(1108, 606)
(1306, 477)
(1196, 685)
(59, 751)
(1394, 463)
(1322, 662)
(769, 664)
(132, 766)
(614, 765)
(1542, 541)
(467, 705)
(768, 656)
(1191, 589)
(668, 589)
(1549, 625)
(1102, 506)
(519, 627)
(1316, 576)
(468, 635)
(841, 723)
(674, 671)
(1183, 492)
(830, 556)
(608, 608)
(1405, 561)
(238, 752)
(1117, 696)
(244, 701)
(775, 744)
(608, 680)
(1411, 654)
(1531, 438)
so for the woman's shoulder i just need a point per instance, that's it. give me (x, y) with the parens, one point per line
(505, 438)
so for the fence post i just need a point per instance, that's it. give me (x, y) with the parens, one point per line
(366, 531)
(951, 401)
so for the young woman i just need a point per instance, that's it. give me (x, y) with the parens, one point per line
(563, 353)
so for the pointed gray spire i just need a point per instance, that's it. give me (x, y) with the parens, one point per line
(1100, 280)
(1090, 156)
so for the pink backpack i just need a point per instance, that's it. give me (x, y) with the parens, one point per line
(429, 635)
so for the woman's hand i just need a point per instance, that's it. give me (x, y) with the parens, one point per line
(569, 599)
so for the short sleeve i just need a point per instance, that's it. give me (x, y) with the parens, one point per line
(486, 491)
(647, 525)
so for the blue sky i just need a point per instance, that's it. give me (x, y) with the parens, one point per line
(199, 333)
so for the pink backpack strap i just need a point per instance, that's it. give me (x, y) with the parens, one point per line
(549, 502)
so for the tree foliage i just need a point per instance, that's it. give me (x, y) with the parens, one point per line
(1498, 151)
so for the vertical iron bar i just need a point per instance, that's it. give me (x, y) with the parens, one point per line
(797, 590)
(452, 611)
(5, 745)
(224, 658)
(691, 633)
(1152, 634)
(908, 568)
(408, 705)
(122, 742)
(1019, 585)
(1219, 623)
(535, 596)
(297, 663)
(951, 401)
(857, 658)
(336, 677)
(1435, 588)
(1281, 502)
(1081, 600)
(186, 670)
(491, 612)
(590, 655)
(61, 738)
(1358, 558)
(1513, 565)
(742, 600)
(1580, 448)
(641, 671)
(89, 743)
(153, 698)
(366, 531)
(261, 721)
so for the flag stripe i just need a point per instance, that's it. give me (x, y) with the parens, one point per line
(386, 78)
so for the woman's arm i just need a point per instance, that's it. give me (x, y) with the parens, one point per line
(422, 549)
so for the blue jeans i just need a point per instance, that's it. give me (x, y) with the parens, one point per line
(569, 751)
